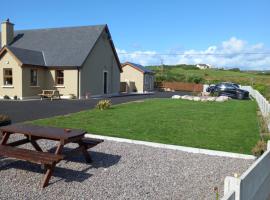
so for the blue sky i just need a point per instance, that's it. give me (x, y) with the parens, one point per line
(148, 28)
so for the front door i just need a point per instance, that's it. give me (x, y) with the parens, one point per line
(105, 82)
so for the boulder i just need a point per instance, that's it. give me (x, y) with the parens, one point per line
(204, 99)
(196, 98)
(184, 97)
(176, 97)
(222, 98)
(189, 98)
(211, 98)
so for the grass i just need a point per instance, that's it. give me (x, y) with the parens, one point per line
(230, 126)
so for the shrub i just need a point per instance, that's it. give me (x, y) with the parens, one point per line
(259, 148)
(160, 78)
(234, 69)
(4, 118)
(261, 88)
(214, 94)
(263, 123)
(104, 104)
(6, 97)
(195, 79)
(15, 97)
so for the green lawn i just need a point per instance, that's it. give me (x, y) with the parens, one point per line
(230, 126)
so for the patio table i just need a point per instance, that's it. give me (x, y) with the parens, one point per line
(32, 134)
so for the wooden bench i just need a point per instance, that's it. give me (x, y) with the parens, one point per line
(91, 142)
(37, 157)
(46, 159)
(84, 144)
(50, 94)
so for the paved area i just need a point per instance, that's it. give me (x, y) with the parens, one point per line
(122, 171)
(20, 111)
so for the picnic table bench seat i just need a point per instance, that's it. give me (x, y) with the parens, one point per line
(30, 155)
(91, 142)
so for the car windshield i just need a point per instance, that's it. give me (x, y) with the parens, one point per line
(226, 86)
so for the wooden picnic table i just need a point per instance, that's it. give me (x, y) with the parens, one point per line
(50, 94)
(33, 133)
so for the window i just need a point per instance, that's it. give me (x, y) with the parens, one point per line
(33, 77)
(59, 77)
(8, 80)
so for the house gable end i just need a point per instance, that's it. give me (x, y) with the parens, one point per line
(5, 51)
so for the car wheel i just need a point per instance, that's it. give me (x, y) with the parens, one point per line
(240, 96)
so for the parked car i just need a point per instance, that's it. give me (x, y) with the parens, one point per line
(228, 89)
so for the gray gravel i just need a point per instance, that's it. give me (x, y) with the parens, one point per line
(121, 171)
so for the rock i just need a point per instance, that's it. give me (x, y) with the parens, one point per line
(211, 98)
(196, 99)
(189, 98)
(222, 98)
(204, 100)
(184, 97)
(176, 97)
(205, 94)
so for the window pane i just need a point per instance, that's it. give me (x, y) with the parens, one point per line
(60, 73)
(8, 77)
(60, 81)
(60, 77)
(8, 81)
(8, 72)
(33, 77)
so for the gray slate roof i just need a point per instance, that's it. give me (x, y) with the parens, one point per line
(59, 46)
(28, 56)
(140, 67)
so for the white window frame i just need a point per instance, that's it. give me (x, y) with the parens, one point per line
(4, 76)
(56, 77)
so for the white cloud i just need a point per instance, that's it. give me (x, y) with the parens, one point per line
(228, 54)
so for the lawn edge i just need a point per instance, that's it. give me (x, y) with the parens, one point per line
(175, 147)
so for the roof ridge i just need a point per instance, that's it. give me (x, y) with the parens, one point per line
(64, 27)
(8, 46)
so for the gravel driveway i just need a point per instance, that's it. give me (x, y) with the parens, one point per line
(122, 171)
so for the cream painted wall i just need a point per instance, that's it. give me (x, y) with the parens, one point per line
(27, 89)
(70, 82)
(8, 61)
(46, 80)
(143, 82)
(130, 74)
(101, 59)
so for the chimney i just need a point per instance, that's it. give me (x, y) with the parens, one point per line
(7, 33)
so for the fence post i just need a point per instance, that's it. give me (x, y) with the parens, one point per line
(232, 184)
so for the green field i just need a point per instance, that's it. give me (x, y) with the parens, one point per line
(230, 126)
(189, 73)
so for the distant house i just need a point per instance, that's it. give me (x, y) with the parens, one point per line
(204, 66)
(137, 78)
(74, 60)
